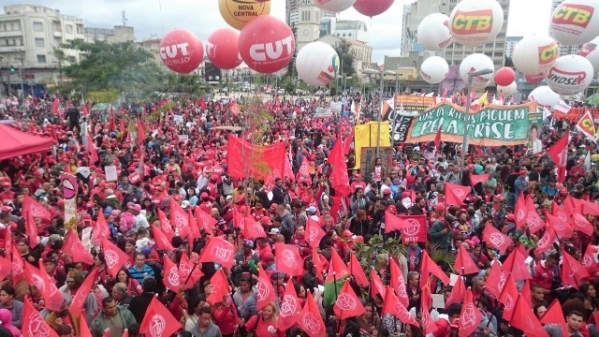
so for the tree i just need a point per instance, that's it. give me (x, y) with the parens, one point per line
(346, 60)
(291, 65)
(63, 59)
(288, 84)
(119, 66)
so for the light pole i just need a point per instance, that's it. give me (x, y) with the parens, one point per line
(382, 74)
(467, 119)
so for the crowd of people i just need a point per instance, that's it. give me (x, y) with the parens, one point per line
(397, 253)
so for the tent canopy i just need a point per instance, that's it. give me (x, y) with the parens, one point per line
(14, 143)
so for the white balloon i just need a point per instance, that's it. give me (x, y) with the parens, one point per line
(317, 63)
(434, 69)
(570, 75)
(434, 33)
(575, 22)
(334, 5)
(476, 62)
(474, 22)
(535, 54)
(544, 96)
(590, 51)
(508, 89)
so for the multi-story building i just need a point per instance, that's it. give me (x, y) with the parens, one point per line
(360, 52)
(510, 44)
(152, 45)
(308, 24)
(563, 50)
(291, 12)
(29, 35)
(351, 29)
(114, 35)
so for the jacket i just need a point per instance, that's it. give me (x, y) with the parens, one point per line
(99, 325)
(212, 330)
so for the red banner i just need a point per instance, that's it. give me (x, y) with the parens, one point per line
(248, 160)
(415, 228)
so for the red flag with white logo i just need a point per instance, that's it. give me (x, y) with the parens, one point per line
(496, 239)
(456, 194)
(515, 265)
(74, 248)
(393, 306)
(572, 272)
(457, 292)
(205, 220)
(470, 316)
(348, 304)
(33, 323)
(160, 238)
(356, 270)
(115, 258)
(588, 260)
(290, 307)
(495, 280)
(533, 219)
(185, 268)
(171, 277)
(559, 154)
(179, 219)
(520, 212)
(46, 286)
(158, 321)
(31, 229)
(220, 287)
(220, 251)
(265, 293)
(252, 229)
(100, 230)
(398, 283)
(287, 258)
(560, 220)
(464, 264)
(35, 209)
(314, 233)
(310, 320)
(508, 297)
(76, 306)
(165, 225)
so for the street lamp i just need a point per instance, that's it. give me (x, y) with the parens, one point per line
(382, 74)
(468, 91)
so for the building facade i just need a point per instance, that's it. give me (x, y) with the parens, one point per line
(360, 52)
(291, 12)
(117, 34)
(351, 29)
(28, 36)
(510, 44)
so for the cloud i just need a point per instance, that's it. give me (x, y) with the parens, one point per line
(154, 18)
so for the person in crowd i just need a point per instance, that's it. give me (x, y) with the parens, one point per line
(113, 318)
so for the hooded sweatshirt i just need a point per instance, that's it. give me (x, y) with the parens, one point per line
(6, 322)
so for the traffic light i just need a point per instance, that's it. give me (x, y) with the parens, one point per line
(12, 69)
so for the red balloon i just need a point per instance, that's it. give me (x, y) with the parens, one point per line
(535, 79)
(505, 76)
(181, 51)
(222, 49)
(372, 7)
(266, 44)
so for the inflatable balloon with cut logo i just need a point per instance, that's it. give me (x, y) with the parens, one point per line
(334, 6)
(473, 63)
(372, 7)
(434, 69)
(535, 79)
(544, 96)
(570, 75)
(590, 51)
(434, 32)
(181, 51)
(504, 76)
(237, 13)
(509, 89)
(317, 63)
(475, 22)
(575, 22)
(266, 44)
(535, 54)
(222, 49)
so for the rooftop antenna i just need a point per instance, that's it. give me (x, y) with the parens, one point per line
(124, 18)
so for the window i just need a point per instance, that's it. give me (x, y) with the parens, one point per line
(69, 29)
(41, 58)
(16, 26)
(39, 42)
(38, 26)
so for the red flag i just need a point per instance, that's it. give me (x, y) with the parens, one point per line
(515, 265)
(31, 230)
(526, 321)
(165, 225)
(114, 257)
(287, 258)
(496, 239)
(533, 219)
(141, 134)
(171, 277)
(495, 280)
(588, 260)
(347, 142)
(179, 219)
(520, 212)
(470, 316)
(220, 251)
(339, 178)
(479, 178)
(34, 207)
(546, 241)
(158, 321)
(355, 268)
(194, 229)
(5, 267)
(555, 315)
(248, 160)
(438, 142)
(456, 194)
(74, 248)
(393, 306)
(186, 268)
(376, 285)
(33, 323)
(46, 286)
(394, 223)
(310, 320)
(220, 287)
(336, 267)
(265, 293)
(56, 106)
(318, 265)
(76, 306)
(457, 292)
(428, 324)
(559, 154)
(415, 230)
(572, 272)
(162, 242)
(561, 221)
(84, 330)
(348, 304)
(91, 148)
(464, 263)
(314, 233)
(205, 220)
(398, 282)
(428, 266)
(580, 223)
(100, 230)
(252, 229)
(290, 307)
(508, 298)
(18, 266)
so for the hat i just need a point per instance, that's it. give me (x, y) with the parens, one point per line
(5, 209)
(522, 172)
(347, 233)
(50, 259)
(387, 191)
(75, 276)
(267, 257)
(266, 220)
(185, 204)
(136, 207)
(311, 209)
(274, 231)
(277, 275)
(248, 243)
(108, 210)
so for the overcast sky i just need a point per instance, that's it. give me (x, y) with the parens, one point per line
(157, 17)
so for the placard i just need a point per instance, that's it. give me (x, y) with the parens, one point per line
(368, 160)
(111, 173)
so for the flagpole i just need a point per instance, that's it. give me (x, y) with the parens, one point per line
(467, 119)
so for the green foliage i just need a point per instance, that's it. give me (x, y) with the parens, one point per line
(288, 84)
(104, 96)
(346, 60)
(155, 116)
(291, 66)
(182, 83)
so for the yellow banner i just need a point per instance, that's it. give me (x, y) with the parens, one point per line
(365, 135)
